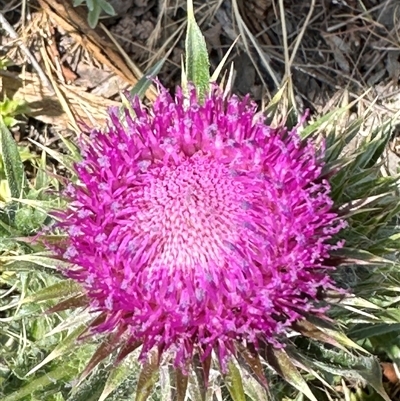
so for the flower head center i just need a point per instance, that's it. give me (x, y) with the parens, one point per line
(187, 213)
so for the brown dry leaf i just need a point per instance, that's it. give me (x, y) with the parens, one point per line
(74, 22)
(254, 13)
(393, 65)
(339, 48)
(213, 36)
(52, 51)
(86, 108)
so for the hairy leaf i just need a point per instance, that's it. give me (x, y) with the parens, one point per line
(13, 166)
(197, 64)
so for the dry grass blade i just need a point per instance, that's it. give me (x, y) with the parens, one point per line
(74, 22)
(246, 33)
(63, 102)
(302, 32)
(151, 93)
(46, 106)
(166, 48)
(10, 30)
(285, 41)
(152, 40)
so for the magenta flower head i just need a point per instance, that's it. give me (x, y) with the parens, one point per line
(194, 226)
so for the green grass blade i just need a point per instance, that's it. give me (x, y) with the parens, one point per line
(63, 372)
(144, 83)
(62, 289)
(61, 348)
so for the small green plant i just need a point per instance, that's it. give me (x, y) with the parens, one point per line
(10, 108)
(4, 63)
(23, 213)
(96, 7)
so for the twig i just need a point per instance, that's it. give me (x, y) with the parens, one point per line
(10, 30)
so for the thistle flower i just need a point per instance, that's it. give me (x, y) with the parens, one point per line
(195, 226)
